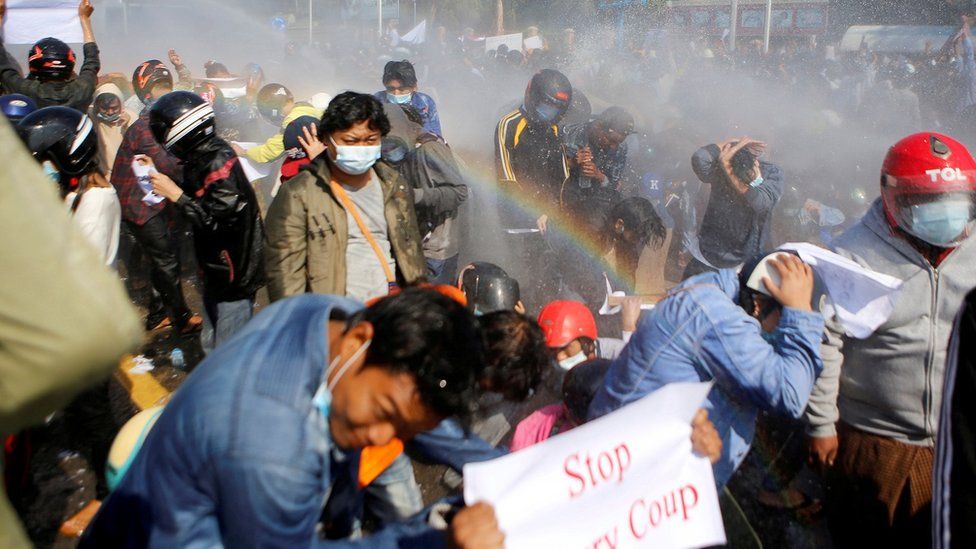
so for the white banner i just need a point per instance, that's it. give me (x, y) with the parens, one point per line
(28, 21)
(513, 41)
(628, 479)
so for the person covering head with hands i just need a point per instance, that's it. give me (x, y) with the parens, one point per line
(308, 384)
(756, 333)
(51, 63)
(738, 218)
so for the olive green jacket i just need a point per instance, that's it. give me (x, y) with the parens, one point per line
(65, 319)
(306, 233)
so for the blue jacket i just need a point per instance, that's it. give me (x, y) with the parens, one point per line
(241, 457)
(700, 333)
(423, 103)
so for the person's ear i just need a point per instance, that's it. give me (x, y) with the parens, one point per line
(619, 226)
(355, 337)
(757, 306)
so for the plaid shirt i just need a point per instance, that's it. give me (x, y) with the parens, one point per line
(138, 139)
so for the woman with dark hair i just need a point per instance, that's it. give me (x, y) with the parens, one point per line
(632, 225)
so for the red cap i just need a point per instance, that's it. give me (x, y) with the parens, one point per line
(563, 322)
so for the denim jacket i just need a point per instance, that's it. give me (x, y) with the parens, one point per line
(241, 457)
(700, 333)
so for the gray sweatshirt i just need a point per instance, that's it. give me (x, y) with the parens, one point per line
(890, 384)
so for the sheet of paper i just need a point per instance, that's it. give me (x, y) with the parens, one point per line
(522, 231)
(861, 298)
(533, 43)
(142, 174)
(28, 21)
(609, 310)
(513, 41)
(254, 170)
(607, 483)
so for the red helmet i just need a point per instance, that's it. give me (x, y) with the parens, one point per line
(928, 182)
(564, 321)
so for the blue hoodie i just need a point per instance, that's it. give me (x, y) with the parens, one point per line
(700, 333)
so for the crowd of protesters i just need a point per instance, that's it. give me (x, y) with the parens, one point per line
(384, 336)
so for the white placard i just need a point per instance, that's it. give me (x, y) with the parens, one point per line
(253, 170)
(513, 41)
(628, 479)
(28, 21)
(533, 43)
(142, 173)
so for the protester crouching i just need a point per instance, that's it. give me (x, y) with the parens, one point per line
(280, 438)
(874, 415)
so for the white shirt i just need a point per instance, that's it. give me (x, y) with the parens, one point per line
(99, 216)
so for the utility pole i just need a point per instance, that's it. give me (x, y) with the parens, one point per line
(769, 23)
(734, 26)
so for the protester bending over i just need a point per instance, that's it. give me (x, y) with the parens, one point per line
(757, 338)
(149, 220)
(51, 81)
(400, 81)
(488, 289)
(302, 389)
(278, 107)
(738, 218)
(346, 224)
(65, 319)
(874, 414)
(302, 145)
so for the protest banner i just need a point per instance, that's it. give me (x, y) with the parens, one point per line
(28, 21)
(628, 479)
(513, 41)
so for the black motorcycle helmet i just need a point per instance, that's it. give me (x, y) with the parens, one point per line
(548, 97)
(488, 288)
(181, 121)
(51, 59)
(65, 137)
(147, 75)
(272, 100)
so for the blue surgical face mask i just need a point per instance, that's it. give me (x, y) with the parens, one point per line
(547, 113)
(399, 99)
(757, 181)
(323, 397)
(941, 223)
(356, 160)
(51, 171)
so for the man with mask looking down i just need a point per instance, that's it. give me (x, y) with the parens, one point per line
(345, 225)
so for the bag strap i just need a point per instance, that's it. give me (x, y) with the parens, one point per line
(350, 207)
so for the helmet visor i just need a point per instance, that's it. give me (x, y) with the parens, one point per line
(943, 219)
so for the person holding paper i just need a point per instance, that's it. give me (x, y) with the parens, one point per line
(755, 333)
(144, 215)
(278, 107)
(874, 414)
(51, 81)
(218, 200)
(250, 450)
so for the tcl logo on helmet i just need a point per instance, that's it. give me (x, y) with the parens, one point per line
(946, 174)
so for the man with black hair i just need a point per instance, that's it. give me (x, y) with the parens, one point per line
(345, 225)
(400, 83)
(738, 220)
(51, 81)
(597, 158)
(754, 333)
(304, 388)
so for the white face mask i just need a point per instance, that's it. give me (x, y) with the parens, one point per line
(323, 397)
(355, 160)
(568, 364)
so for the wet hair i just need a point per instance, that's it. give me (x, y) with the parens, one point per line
(580, 386)
(744, 165)
(433, 338)
(400, 70)
(214, 69)
(638, 215)
(350, 108)
(412, 114)
(516, 354)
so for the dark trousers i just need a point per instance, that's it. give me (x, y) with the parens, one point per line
(157, 243)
